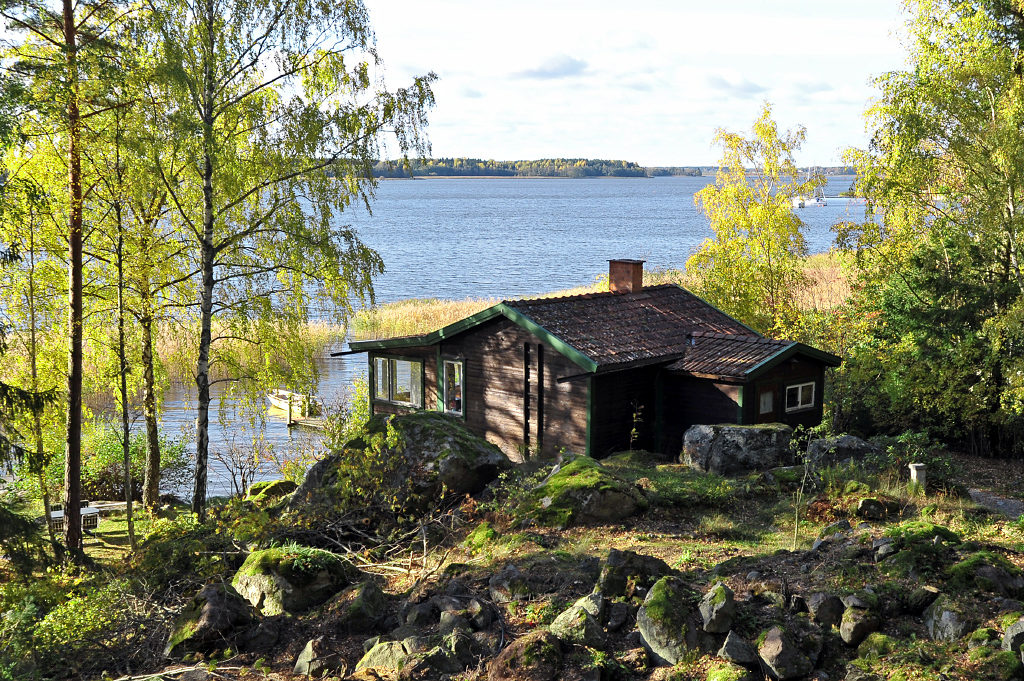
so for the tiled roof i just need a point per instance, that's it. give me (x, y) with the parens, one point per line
(616, 329)
(720, 354)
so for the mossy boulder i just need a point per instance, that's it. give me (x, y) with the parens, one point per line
(856, 624)
(210, 620)
(986, 571)
(534, 657)
(290, 579)
(359, 608)
(717, 609)
(426, 455)
(270, 490)
(876, 645)
(668, 622)
(782, 654)
(583, 491)
(624, 572)
(389, 655)
(577, 625)
(948, 620)
(922, 548)
(731, 449)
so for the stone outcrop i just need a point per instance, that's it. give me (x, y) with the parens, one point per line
(624, 572)
(783, 656)
(212, 618)
(433, 452)
(728, 450)
(534, 657)
(290, 579)
(946, 620)
(667, 621)
(840, 449)
(583, 491)
(717, 609)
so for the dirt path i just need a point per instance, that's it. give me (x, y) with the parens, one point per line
(1011, 508)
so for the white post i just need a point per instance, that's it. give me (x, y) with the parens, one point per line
(918, 477)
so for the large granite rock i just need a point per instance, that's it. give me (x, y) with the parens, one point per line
(1013, 637)
(534, 657)
(623, 572)
(727, 449)
(317, 660)
(668, 622)
(290, 579)
(583, 491)
(213, 616)
(783, 656)
(830, 451)
(429, 453)
(946, 620)
(577, 625)
(359, 608)
(717, 609)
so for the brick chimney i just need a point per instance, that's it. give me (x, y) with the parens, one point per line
(625, 276)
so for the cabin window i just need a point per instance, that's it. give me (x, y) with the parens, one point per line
(767, 402)
(399, 381)
(454, 387)
(799, 396)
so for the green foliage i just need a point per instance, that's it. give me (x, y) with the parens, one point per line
(103, 466)
(751, 268)
(19, 543)
(941, 271)
(910, 447)
(185, 551)
(558, 501)
(61, 621)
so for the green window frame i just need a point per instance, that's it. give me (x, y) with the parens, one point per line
(453, 386)
(398, 380)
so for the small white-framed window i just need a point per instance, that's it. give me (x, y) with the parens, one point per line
(767, 403)
(399, 381)
(454, 386)
(800, 396)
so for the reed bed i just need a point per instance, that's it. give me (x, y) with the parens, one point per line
(827, 283)
(414, 316)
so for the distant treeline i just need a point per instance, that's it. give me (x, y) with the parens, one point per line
(546, 167)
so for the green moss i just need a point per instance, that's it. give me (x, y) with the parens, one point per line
(876, 645)
(299, 565)
(669, 602)
(1010, 619)
(719, 595)
(921, 531)
(557, 501)
(983, 635)
(725, 671)
(672, 485)
(964, 575)
(482, 535)
(856, 487)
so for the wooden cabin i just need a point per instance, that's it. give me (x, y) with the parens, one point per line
(590, 373)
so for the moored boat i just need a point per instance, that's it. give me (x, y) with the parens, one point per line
(295, 403)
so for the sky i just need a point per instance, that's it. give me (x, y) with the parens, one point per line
(647, 81)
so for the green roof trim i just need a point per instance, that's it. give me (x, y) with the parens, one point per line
(501, 309)
(785, 353)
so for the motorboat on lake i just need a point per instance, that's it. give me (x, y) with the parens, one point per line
(295, 404)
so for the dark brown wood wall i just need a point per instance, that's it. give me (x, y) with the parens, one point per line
(496, 374)
(791, 372)
(690, 401)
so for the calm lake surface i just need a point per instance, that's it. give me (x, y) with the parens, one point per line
(500, 238)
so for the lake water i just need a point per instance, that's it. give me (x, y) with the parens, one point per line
(500, 238)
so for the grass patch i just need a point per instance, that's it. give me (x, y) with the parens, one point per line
(672, 485)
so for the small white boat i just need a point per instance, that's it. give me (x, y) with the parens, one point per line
(294, 403)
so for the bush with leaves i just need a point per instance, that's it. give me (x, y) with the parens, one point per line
(898, 452)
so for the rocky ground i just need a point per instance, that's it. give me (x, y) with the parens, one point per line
(639, 569)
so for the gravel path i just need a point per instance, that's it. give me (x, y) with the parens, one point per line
(1011, 508)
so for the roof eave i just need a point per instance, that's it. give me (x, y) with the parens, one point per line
(500, 309)
(788, 351)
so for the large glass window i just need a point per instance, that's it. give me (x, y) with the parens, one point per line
(398, 380)
(799, 396)
(453, 386)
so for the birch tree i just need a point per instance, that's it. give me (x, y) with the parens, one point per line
(278, 112)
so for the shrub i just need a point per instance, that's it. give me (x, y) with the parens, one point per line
(913, 447)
